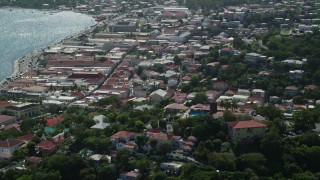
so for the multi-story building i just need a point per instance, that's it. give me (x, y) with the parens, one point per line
(23, 110)
(246, 130)
(124, 26)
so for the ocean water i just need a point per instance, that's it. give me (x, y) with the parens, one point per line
(22, 31)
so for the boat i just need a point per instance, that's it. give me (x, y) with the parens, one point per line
(10, 9)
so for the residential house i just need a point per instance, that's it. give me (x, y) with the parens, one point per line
(27, 138)
(296, 74)
(124, 140)
(8, 146)
(175, 108)
(180, 97)
(139, 91)
(220, 86)
(265, 74)
(246, 130)
(254, 58)
(171, 167)
(46, 146)
(244, 92)
(50, 146)
(158, 95)
(227, 51)
(130, 146)
(310, 87)
(240, 98)
(129, 175)
(212, 96)
(199, 109)
(157, 136)
(258, 93)
(291, 90)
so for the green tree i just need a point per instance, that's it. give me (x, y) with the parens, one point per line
(28, 125)
(122, 159)
(177, 60)
(271, 146)
(141, 141)
(107, 171)
(255, 161)
(269, 111)
(200, 98)
(164, 147)
(304, 120)
(31, 148)
(222, 161)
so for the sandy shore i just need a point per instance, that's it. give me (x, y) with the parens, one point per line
(20, 65)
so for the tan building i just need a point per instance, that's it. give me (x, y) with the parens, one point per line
(158, 95)
(246, 131)
(23, 110)
(7, 120)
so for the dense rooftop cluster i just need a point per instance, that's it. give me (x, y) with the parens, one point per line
(162, 91)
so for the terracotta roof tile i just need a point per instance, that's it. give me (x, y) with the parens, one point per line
(246, 124)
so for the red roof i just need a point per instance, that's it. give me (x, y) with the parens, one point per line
(310, 87)
(52, 122)
(4, 103)
(226, 49)
(176, 106)
(123, 134)
(47, 145)
(29, 74)
(27, 137)
(246, 124)
(158, 136)
(186, 78)
(293, 88)
(200, 107)
(130, 174)
(5, 156)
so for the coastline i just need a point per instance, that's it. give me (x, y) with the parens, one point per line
(20, 65)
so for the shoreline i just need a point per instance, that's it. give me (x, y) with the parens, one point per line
(37, 53)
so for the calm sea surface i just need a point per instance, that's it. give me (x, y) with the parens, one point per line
(23, 31)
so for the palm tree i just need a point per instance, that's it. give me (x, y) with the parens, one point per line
(233, 105)
(228, 105)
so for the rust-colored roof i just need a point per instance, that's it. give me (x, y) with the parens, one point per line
(123, 134)
(52, 122)
(176, 106)
(27, 137)
(246, 124)
(46, 145)
(158, 136)
(4, 103)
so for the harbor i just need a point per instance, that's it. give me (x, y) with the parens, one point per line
(36, 46)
